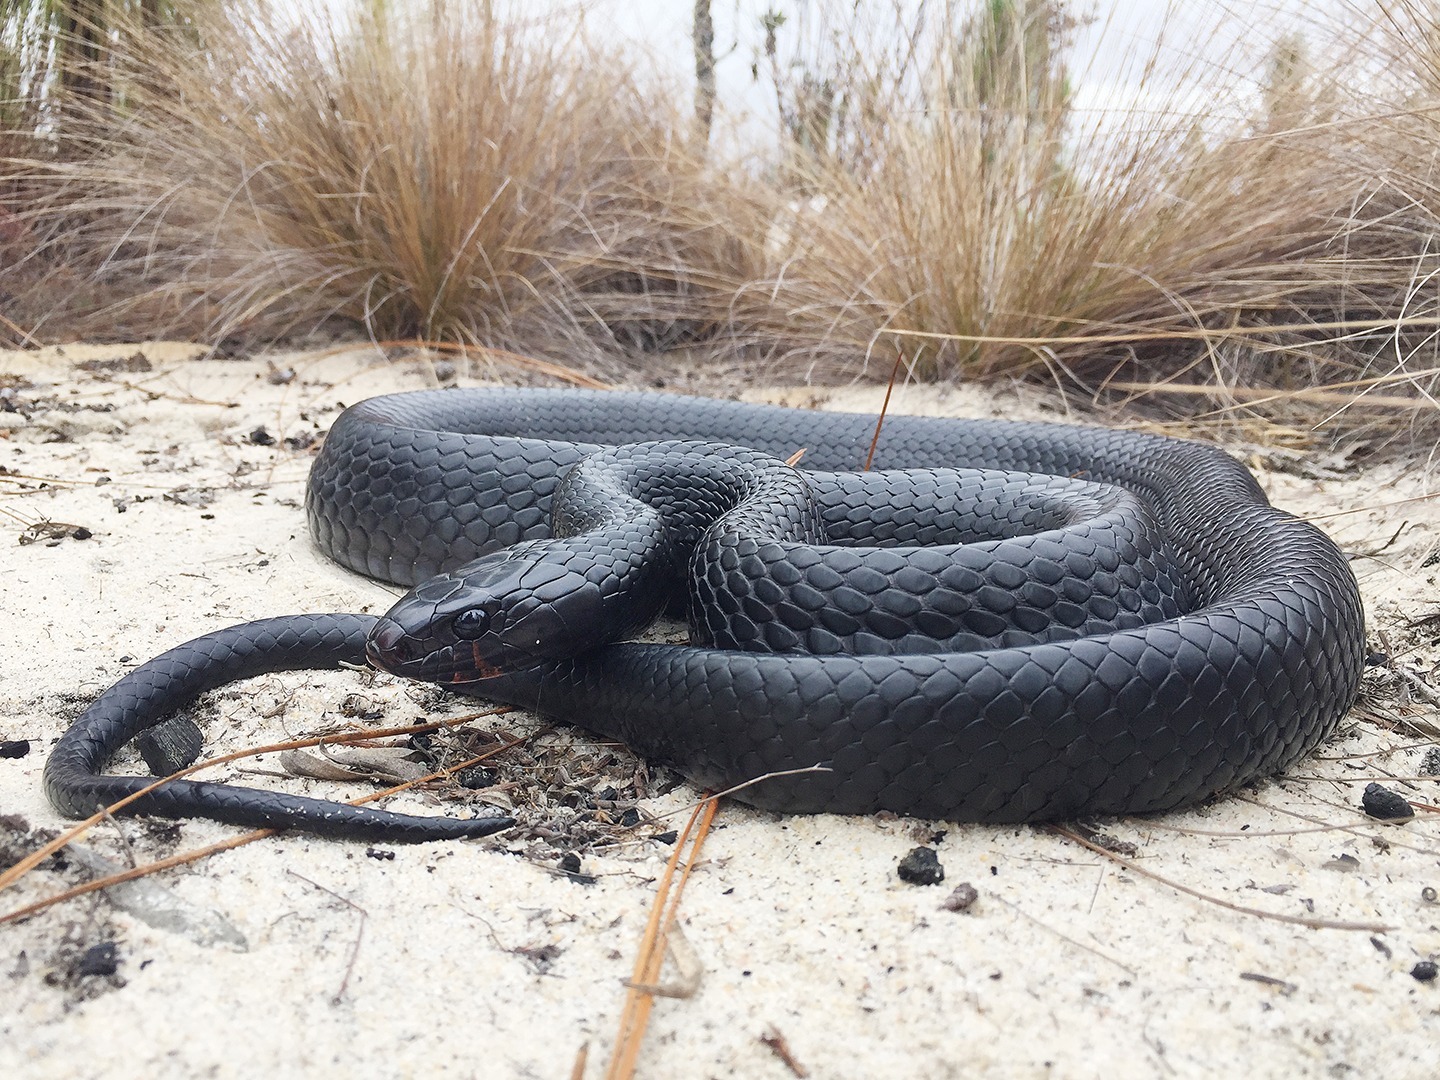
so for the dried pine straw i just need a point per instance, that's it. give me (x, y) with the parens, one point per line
(650, 958)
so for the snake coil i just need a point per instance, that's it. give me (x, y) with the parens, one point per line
(1204, 640)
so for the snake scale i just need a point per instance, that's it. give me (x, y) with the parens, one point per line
(1003, 622)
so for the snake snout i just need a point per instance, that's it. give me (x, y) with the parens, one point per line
(388, 646)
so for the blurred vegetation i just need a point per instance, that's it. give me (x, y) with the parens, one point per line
(56, 58)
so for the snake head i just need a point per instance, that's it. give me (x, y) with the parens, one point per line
(504, 612)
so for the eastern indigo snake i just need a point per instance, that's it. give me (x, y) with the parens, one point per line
(1133, 630)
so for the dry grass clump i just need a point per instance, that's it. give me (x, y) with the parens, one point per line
(984, 223)
(447, 173)
(942, 188)
(1399, 46)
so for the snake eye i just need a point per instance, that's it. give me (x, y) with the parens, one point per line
(471, 623)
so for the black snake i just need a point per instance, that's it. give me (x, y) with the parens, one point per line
(1133, 630)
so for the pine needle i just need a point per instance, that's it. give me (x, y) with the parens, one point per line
(653, 947)
(1259, 913)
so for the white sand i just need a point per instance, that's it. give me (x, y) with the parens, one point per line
(1067, 965)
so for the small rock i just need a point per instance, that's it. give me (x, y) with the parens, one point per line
(962, 898)
(261, 437)
(71, 427)
(1425, 971)
(14, 748)
(1430, 763)
(159, 906)
(921, 866)
(1386, 805)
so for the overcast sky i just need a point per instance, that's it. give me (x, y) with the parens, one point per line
(1156, 55)
(1112, 50)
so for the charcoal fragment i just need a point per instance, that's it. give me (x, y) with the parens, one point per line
(1386, 805)
(170, 746)
(102, 959)
(571, 868)
(921, 866)
(477, 777)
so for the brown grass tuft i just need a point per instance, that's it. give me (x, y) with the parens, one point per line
(463, 173)
(453, 174)
(980, 220)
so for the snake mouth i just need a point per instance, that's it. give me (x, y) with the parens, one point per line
(479, 669)
(391, 649)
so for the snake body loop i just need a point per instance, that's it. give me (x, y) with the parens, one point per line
(158, 687)
(1131, 631)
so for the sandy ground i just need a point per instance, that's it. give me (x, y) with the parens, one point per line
(294, 955)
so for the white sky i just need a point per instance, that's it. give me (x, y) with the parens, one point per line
(1205, 42)
(1128, 54)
